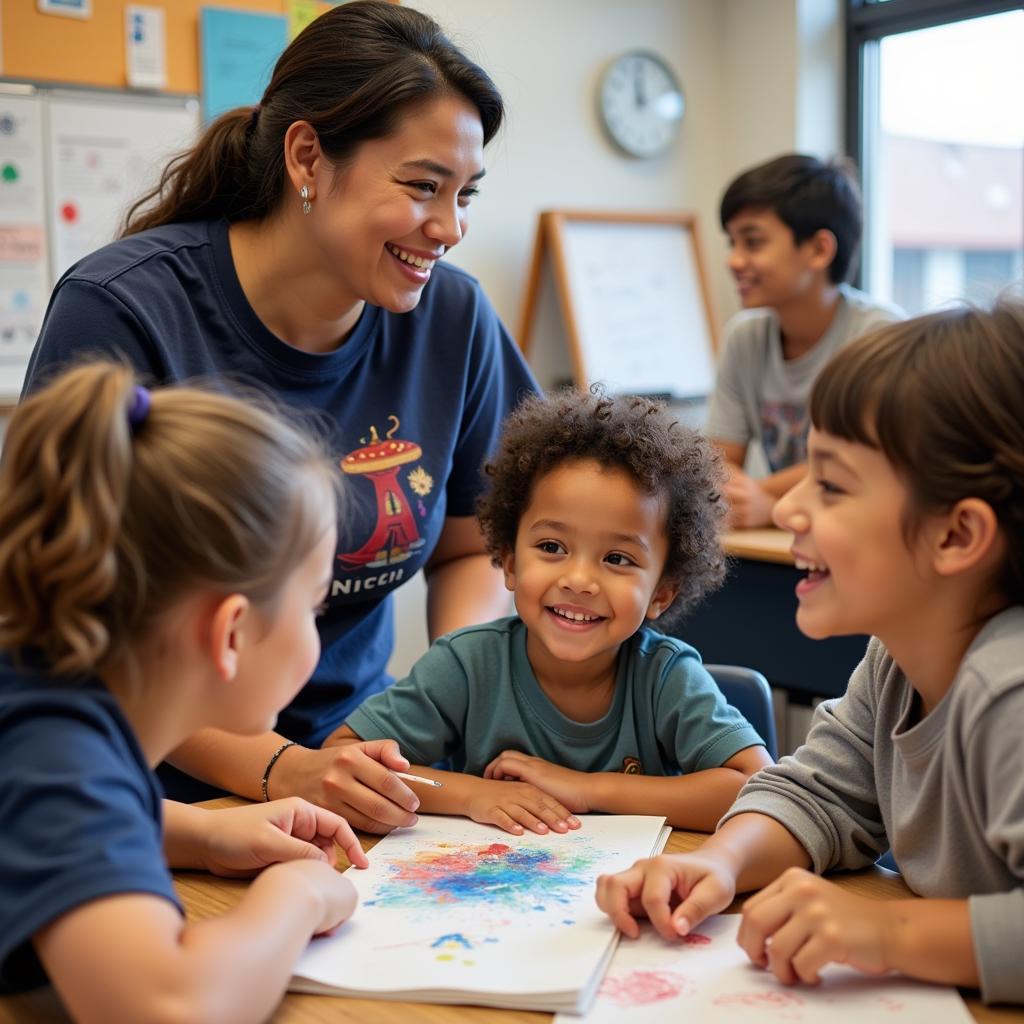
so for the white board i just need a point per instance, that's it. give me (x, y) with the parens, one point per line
(105, 151)
(71, 163)
(24, 265)
(642, 322)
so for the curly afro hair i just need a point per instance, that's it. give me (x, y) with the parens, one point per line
(633, 434)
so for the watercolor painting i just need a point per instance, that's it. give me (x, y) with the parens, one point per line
(494, 874)
(707, 977)
(448, 905)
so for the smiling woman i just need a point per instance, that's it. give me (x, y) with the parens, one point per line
(299, 247)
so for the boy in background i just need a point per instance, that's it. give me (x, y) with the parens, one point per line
(794, 225)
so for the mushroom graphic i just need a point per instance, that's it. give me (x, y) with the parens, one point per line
(395, 537)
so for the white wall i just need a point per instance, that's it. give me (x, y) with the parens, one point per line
(547, 57)
(760, 77)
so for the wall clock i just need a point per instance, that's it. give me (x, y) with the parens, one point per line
(641, 103)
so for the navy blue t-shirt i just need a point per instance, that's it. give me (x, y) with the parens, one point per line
(80, 811)
(414, 402)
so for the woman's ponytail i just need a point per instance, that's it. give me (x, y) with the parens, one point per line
(206, 182)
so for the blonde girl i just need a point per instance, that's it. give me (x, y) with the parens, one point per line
(162, 558)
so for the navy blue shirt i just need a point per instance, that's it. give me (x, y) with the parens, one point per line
(80, 811)
(413, 401)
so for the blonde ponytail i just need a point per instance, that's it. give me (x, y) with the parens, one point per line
(101, 530)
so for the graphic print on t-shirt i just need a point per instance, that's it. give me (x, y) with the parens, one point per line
(784, 433)
(395, 535)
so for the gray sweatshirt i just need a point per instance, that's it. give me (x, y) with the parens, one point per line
(947, 793)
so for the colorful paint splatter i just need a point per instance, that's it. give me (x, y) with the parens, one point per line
(496, 874)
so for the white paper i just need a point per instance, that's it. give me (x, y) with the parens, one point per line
(24, 270)
(145, 47)
(105, 153)
(453, 911)
(68, 8)
(707, 977)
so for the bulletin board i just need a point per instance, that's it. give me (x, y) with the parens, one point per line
(91, 51)
(72, 162)
(633, 300)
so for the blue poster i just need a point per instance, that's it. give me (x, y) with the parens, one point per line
(239, 50)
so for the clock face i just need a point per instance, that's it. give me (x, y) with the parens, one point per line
(641, 103)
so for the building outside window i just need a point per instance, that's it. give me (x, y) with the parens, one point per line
(935, 112)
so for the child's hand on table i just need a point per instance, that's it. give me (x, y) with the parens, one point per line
(675, 891)
(514, 806)
(801, 922)
(564, 784)
(240, 841)
(749, 504)
(335, 895)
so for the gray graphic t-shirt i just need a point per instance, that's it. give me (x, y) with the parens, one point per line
(761, 397)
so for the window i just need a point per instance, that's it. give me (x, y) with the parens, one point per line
(935, 121)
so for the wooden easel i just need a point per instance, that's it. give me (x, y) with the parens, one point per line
(554, 244)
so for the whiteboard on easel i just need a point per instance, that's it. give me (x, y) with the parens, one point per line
(633, 299)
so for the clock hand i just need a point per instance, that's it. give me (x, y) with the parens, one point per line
(638, 85)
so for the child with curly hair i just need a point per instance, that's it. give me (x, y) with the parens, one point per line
(604, 515)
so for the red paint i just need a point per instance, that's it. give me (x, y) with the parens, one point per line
(640, 988)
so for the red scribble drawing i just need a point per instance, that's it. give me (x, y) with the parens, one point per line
(640, 988)
(696, 939)
(888, 1003)
(761, 1000)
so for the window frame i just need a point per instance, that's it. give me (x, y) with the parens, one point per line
(866, 24)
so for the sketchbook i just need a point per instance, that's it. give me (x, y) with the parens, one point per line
(456, 912)
(707, 977)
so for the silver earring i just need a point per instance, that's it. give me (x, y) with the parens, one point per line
(306, 204)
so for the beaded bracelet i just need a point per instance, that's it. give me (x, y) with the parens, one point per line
(270, 764)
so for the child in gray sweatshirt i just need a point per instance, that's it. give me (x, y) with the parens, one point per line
(910, 525)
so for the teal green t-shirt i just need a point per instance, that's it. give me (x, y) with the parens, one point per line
(474, 695)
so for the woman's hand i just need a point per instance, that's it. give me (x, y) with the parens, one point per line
(676, 891)
(240, 841)
(514, 806)
(570, 787)
(355, 780)
(800, 922)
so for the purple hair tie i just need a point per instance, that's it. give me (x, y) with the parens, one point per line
(138, 408)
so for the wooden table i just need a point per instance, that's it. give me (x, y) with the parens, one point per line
(205, 896)
(751, 621)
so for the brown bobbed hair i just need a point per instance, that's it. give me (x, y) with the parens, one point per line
(941, 396)
(633, 434)
(353, 73)
(103, 527)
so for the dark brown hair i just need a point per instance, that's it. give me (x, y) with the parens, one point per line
(807, 195)
(353, 73)
(633, 434)
(941, 396)
(103, 528)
